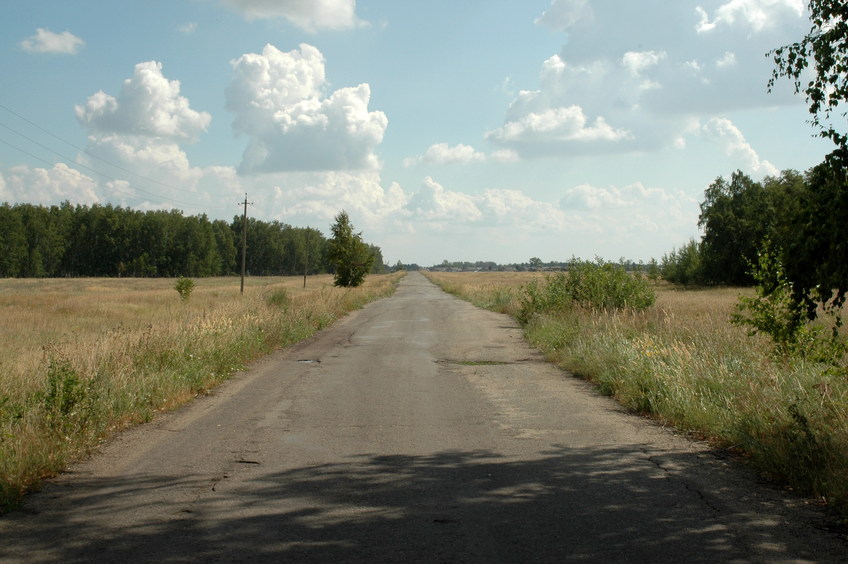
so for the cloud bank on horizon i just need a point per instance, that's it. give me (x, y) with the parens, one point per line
(605, 152)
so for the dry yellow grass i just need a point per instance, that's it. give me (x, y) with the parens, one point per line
(77, 318)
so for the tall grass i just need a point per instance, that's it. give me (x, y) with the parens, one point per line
(82, 358)
(683, 362)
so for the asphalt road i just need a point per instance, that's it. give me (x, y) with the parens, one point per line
(419, 429)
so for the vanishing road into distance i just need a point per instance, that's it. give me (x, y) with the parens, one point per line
(418, 429)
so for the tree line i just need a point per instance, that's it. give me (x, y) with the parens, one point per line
(798, 218)
(738, 216)
(104, 240)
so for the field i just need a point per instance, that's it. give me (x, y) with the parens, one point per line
(683, 363)
(84, 357)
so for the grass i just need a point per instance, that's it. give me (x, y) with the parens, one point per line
(85, 357)
(682, 362)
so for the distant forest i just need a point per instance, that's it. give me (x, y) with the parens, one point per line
(78, 240)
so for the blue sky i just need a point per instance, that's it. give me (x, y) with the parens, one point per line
(496, 130)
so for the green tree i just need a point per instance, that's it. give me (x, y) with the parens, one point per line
(683, 266)
(225, 240)
(815, 260)
(735, 217)
(350, 256)
(13, 242)
(786, 195)
(377, 265)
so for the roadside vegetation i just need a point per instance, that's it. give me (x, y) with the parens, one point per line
(684, 362)
(86, 357)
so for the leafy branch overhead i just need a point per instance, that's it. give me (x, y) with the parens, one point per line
(824, 50)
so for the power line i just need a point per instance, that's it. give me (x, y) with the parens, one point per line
(116, 186)
(89, 153)
(48, 163)
(80, 165)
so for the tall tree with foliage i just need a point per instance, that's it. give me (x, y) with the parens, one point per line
(103, 240)
(735, 217)
(815, 260)
(349, 254)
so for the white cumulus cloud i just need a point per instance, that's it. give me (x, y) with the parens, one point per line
(442, 154)
(519, 211)
(565, 14)
(47, 186)
(279, 102)
(149, 105)
(603, 96)
(588, 197)
(561, 124)
(314, 198)
(46, 41)
(134, 142)
(637, 62)
(726, 61)
(433, 202)
(309, 15)
(756, 14)
(723, 132)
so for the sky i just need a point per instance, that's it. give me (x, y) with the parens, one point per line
(471, 130)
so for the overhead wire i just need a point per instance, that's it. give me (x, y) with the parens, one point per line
(92, 170)
(71, 167)
(92, 155)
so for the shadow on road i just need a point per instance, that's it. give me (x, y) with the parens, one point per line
(568, 504)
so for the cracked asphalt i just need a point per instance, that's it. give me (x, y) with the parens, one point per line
(418, 429)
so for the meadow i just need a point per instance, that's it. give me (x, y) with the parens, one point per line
(83, 358)
(683, 363)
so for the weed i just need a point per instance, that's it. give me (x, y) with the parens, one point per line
(65, 390)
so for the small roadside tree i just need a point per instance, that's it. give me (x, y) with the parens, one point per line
(351, 257)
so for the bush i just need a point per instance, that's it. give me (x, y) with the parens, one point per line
(775, 313)
(279, 298)
(684, 265)
(184, 287)
(597, 285)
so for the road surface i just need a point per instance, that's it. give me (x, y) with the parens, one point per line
(418, 429)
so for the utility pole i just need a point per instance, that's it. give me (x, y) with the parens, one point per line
(244, 240)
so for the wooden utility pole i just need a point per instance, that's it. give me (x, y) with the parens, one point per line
(244, 241)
